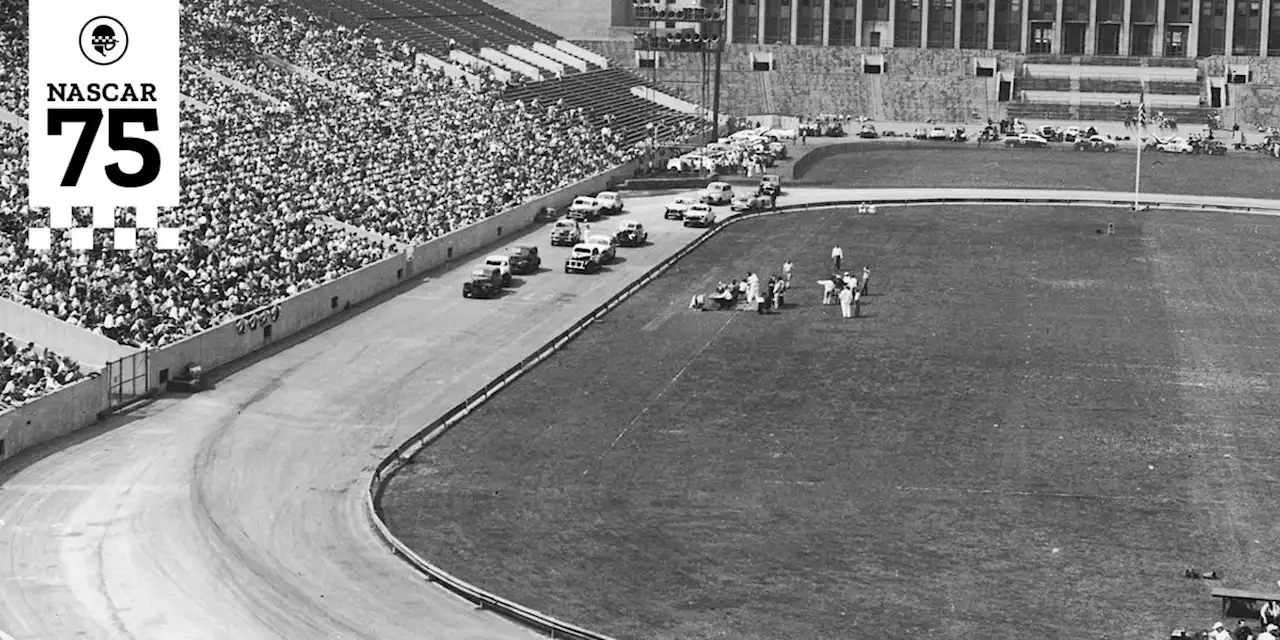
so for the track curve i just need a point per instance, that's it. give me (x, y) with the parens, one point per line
(239, 512)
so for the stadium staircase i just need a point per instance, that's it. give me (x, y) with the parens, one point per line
(11, 118)
(472, 33)
(1087, 88)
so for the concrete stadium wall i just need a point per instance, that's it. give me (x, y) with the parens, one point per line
(63, 338)
(66, 410)
(919, 84)
(572, 19)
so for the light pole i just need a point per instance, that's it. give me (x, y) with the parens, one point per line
(1137, 171)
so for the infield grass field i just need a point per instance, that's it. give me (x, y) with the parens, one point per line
(898, 165)
(1032, 432)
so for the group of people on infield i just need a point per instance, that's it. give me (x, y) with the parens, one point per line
(767, 297)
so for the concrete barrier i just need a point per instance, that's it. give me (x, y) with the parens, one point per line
(63, 338)
(66, 410)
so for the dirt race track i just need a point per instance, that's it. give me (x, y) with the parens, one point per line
(237, 513)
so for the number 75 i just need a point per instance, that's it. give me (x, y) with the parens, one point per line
(116, 139)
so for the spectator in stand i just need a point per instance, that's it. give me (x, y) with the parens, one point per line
(1269, 633)
(27, 374)
(1242, 631)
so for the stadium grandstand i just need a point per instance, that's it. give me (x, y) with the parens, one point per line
(311, 147)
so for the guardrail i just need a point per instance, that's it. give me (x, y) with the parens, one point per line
(404, 453)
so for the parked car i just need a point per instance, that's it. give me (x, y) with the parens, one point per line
(1029, 140)
(584, 258)
(938, 133)
(524, 259)
(676, 210)
(608, 244)
(1096, 143)
(778, 150)
(687, 162)
(584, 209)
(566, 233)
(1048, 132)
(868, 132)
(502, 263)
(770, 185)
(610, 202)
(920, 133)
(1211, 148)
(720, 193)
(700, 215)
(750, 202)
(485, 282)
(1175, 145)
(1071, 134)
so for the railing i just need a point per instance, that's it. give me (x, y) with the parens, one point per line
(556, 628)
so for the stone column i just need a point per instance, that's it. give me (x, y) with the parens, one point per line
(795, 21)
(1231, 27)
(957, 12)
(727, 36)
(1193, 38)
(1157, 47)
(827, 20)
(1126, 27)
(1091, 31)
(1263, 39)
(991, 24)
(1059, 11)
(1026, 25)
(857, 21)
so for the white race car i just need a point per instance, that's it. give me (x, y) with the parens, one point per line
(677, 209)
(700, 215)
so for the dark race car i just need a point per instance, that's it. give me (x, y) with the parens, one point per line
(485, 282)
(524, 259)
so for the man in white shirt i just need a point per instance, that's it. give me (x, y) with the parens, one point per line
(1219, 632)
(836, 255)
(787, 268)
(866, 277)
(846, 302)
(1270, 633)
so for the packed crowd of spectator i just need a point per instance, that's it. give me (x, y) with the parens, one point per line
(13, 56)
(271, 150)
(27, 373)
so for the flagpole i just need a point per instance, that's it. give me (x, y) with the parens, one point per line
(1137, 170)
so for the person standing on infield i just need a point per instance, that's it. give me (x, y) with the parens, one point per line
(866, 277)
(787, 268)
(846, 302)
(836, 255)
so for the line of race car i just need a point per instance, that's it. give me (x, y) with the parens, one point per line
(589, 252)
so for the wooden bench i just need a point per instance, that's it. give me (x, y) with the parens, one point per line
(1243, 600)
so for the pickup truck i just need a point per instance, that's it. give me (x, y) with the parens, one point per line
(584, 258)
(565, 233)
(584, 209)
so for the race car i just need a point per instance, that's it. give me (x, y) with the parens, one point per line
(631, 234)
(608, 246)
(1029, 140)
(584, 209)
(485, 282)
(749, 202)
(1096, 143)
(584, 258)
(1175, 145)
(868, 132)
(938, 133)
(610, 202)
(677, 209)
(524, 259)
(718, 193)
(566, 233)
(700, 215)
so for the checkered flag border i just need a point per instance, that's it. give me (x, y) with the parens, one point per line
(125, 238)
